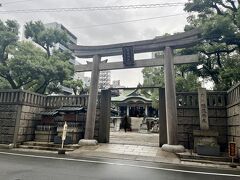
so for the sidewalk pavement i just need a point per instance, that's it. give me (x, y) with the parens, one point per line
(140, 153)
(129, 152)
(132, 146)
(123, 151)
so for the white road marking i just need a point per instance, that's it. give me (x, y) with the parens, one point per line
(120, 164)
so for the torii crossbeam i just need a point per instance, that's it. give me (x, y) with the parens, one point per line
(186, 59)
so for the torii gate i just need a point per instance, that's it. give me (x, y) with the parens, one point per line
(168, 44)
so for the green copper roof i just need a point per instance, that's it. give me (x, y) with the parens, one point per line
(129, 94)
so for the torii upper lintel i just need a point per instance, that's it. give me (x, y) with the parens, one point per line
(181, 40)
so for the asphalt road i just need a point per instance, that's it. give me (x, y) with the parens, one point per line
(16, 166)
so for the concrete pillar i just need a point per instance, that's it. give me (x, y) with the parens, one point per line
(17, 122)
(162, 118)
(170, 95)
(92, 101)
(146, 110)
(105, 114)
(127, 110)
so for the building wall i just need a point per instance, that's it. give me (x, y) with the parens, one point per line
(55, 25)
(104, 79)
(8, 115)
(19, 113)
(188, 117)
(233, 113)
(29, 118)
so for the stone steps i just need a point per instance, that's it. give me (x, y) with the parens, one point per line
(194, 157)
(206, 161)
(199, 159)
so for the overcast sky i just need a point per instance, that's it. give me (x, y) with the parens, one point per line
(80, 23)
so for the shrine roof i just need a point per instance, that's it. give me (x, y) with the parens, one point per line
(49, 113)
(70, 108)
(130, 94)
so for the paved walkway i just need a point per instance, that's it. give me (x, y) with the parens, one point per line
(123, 151)
(129, 145)
(134, 138)
(135, 146)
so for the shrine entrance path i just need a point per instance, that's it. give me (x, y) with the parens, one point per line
(134, 138)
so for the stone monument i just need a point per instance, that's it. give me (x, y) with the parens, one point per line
(205, 140)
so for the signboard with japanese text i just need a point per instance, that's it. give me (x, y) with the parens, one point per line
(203, 108)
(128, 56)
(232, 149)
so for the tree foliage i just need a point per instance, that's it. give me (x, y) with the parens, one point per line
(45, 37)
(24, 65)
(8, 37)
(219, 21)
(4, 84)
(186, 81)
(76, 85)
(52, 71)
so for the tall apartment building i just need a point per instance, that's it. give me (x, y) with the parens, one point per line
(72, 38)
(78, 75)
(104, 79)
(117, 84)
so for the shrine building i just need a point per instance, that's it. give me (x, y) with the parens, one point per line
(133, 103)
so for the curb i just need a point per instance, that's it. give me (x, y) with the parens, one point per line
(6, 146)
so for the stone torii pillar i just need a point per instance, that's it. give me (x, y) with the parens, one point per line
(92, 104)
(171, 106)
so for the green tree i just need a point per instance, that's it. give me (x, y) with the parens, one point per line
(58, 67)
(51, 72)
(47, 38)
(24, 65)
(20, 65)
(219, 21)
(4, 84)
(31, 69)
(186, 81)
(76, 85)
(8, 37)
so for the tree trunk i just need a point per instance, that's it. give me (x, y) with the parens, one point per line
(11, 82)
(219, 60)
(42, 88)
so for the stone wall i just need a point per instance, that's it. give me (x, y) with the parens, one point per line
(30, 106)
(30, 117)
(188, 117)
(20, 113)
(8, 114)
(233, 113)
